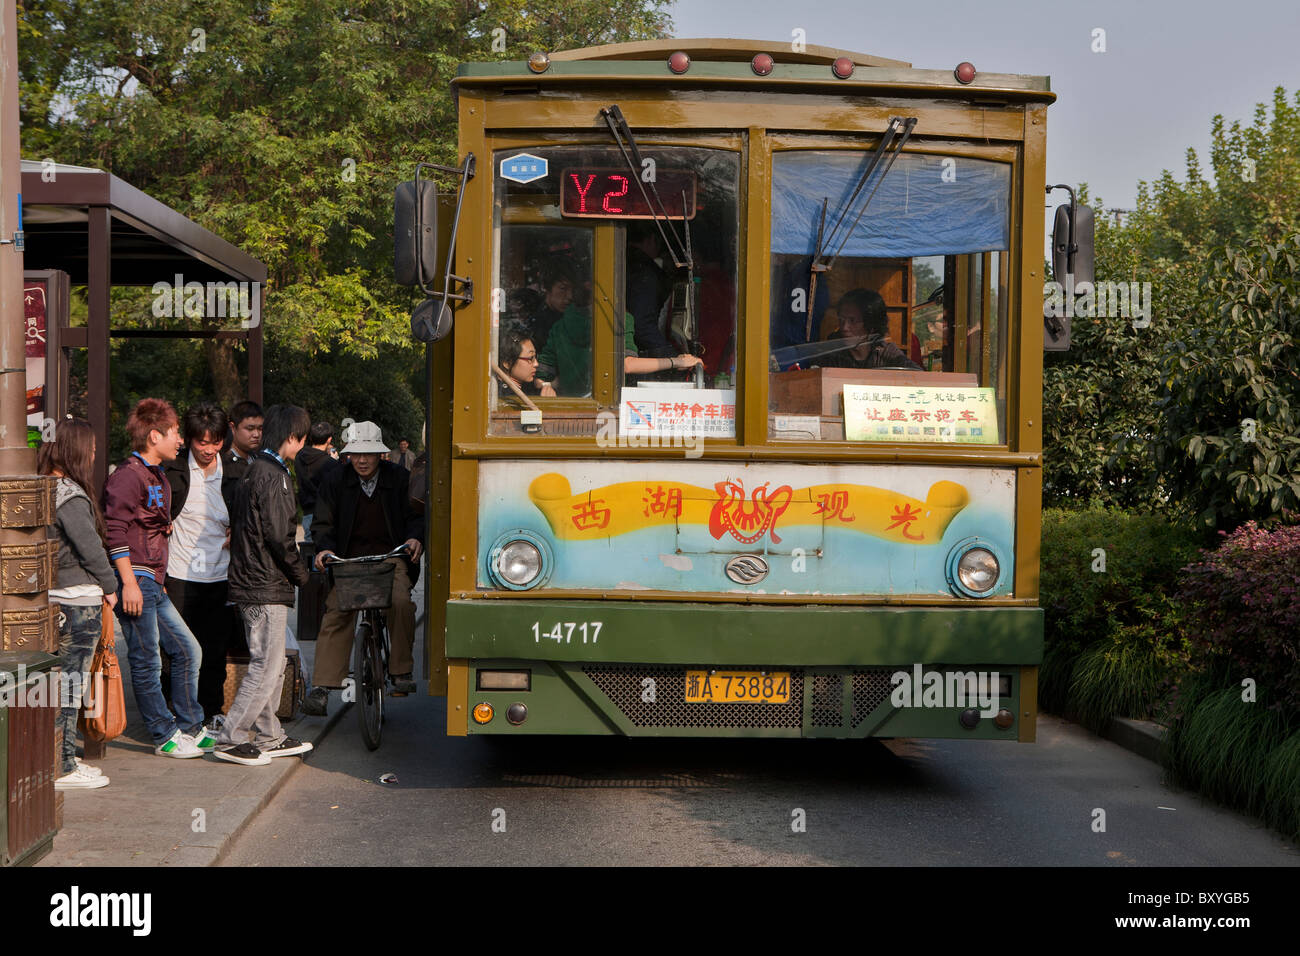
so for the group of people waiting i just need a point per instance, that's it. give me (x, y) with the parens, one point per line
(192, 545)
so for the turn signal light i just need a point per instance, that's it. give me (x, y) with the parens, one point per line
(1004, 719)
(482, 712)
(539, 62)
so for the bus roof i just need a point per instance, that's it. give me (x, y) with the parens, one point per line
(723, 50)
(726, 62)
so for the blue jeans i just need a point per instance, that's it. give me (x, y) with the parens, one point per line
(159, 621)
(306, 527)
(79, 630)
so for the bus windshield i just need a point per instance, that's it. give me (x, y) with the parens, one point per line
(904, 339)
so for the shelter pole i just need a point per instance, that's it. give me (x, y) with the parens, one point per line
(98, 282)
(254, 343)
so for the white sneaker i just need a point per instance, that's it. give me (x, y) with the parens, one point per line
(178, 745)
(87, 768)
(80, 780)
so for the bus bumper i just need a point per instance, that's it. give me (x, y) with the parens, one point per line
(854, 671)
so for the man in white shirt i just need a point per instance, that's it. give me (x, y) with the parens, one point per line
(199, 553)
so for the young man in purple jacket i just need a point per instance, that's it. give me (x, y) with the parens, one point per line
(137, 513)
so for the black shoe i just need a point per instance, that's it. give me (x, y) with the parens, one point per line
(246, 754)
(316, 703)
(289, 747)
(402, 685)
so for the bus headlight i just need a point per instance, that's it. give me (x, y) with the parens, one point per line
(978, 569)
(519, 560)
(973, 568)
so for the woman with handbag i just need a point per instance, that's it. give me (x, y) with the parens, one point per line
(85, 584)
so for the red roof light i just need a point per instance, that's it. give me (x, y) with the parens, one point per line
(679, 62)
(842, 67)
(965, 72)
(761, 64)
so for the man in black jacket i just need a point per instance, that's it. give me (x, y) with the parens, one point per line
(264, 567)
(245, 439)
(360, 510)
(311, 465)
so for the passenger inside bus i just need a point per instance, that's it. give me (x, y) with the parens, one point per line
(634, 363)
(559, 280)
(864, 322)
(647, 289)
(565, 361)
(518, 363)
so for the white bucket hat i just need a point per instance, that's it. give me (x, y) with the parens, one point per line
(363, 438)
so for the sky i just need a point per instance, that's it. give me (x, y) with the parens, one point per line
(1120, 116)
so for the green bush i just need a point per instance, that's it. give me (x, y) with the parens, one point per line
(1112, 641)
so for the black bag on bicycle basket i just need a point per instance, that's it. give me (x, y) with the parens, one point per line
(358, 587)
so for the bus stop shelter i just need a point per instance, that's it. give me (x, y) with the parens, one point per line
(101, 232)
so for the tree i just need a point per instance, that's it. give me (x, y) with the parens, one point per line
(1228, 442)
(1126, 422)
(283, 127)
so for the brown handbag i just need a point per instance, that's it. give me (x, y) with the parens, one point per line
(103, 714)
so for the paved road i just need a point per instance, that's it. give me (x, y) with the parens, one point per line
(616, 801)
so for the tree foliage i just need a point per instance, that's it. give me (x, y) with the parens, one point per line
(284, 126)
(1153, 416)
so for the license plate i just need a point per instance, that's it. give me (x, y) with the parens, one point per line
(738, 687)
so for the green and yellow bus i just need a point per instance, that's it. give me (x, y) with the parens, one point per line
(735, 373)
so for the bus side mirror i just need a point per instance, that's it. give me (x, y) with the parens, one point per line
(1080, 264)
(431, 320)
(415, 233)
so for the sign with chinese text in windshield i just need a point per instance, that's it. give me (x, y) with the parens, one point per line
(919, 413)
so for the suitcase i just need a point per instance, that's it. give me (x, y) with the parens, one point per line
(311, 597)
(290, 696)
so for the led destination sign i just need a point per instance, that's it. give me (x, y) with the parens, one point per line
(614, 194)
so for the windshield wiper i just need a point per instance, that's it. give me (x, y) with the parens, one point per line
(888, 150)
(618, 128)
(678, 248)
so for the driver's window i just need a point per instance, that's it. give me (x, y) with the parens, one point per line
(902, 339)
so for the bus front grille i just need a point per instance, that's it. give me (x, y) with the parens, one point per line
(625, 686)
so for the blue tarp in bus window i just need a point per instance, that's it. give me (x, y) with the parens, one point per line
(916, 211)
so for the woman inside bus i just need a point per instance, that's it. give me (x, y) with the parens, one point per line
(865, 324)
(517, 361)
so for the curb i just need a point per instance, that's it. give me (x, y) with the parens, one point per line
(232, 814)
(1142, 737)
(245, 808)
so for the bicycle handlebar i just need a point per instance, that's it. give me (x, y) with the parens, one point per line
(333, 558)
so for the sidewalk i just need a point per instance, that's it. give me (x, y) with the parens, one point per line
(159, 811)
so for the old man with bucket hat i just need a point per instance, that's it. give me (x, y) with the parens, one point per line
(364, 508)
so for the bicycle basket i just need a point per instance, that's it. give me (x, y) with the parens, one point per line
(358, 587)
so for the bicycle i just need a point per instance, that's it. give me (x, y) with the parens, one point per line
(365, 584)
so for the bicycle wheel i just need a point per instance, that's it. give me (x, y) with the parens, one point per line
(368, 672)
